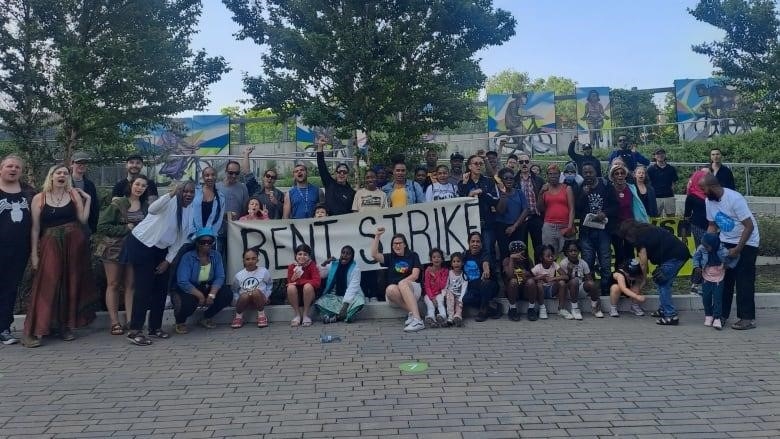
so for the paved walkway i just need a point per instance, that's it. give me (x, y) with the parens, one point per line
(488, 380)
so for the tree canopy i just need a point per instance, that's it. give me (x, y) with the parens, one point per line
(748, 57)
(99, 71)
(393, 69)
(631, 108)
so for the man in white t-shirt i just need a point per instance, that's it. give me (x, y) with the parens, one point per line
(728, 212)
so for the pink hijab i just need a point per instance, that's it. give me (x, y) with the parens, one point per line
(693, 184)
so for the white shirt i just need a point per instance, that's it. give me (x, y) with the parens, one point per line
(728, 214)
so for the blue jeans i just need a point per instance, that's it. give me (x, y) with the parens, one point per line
(712, 298)
(596, 243)
(480, 292)
(489, 243)
(670, 269)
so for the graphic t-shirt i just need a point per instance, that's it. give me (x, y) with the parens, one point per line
(246, 281)
(539, 270)
(728, 214)
(369, 200)
(472, 266)
(399, 267)
(15, 221)
(578, 270)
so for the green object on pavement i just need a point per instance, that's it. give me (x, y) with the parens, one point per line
(413, 367)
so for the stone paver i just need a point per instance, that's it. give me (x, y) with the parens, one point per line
(621, 377)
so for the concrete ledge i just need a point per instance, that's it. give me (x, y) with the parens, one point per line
(383, 310)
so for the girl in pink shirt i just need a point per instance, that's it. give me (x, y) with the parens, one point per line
(435, 282)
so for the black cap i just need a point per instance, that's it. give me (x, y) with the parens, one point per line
(457, 156)
(134, 157)
(586, 146)
(660, 151)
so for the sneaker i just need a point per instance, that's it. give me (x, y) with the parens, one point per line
(457, 321)
(533, 314)
(513, 314)
(409, 319)
(563, 312)
(577, 314)
(415, 325)
(613, 312)
(543, 312)
(30, 341)
(441, 321)
(237, 322)
(657, 313)
(668, 321)
(742, 325)
(430, 322)
(67, 334)
(695, 289)
(180, 328)
(6, 338)
(637, 310)
(595, 308)
(372, 300)
(262, 320)
(717, 325)
(481, 316)
(207, 323)
(708, 320)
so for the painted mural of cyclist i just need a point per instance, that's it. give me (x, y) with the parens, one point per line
(514, 118)
(594, 116)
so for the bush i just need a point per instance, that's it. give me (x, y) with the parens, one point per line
(769, 229)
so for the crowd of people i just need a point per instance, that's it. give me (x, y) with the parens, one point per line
(575, 217)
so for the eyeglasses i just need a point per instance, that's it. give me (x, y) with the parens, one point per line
(478, 163)
(233, 172)
(622, 140)
(270, 177)
(524, 162)
(619, 173)
(342, 172)
(206, 242)
(398, 243)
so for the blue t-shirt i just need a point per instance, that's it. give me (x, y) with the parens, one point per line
(472, 266)
(515, 205)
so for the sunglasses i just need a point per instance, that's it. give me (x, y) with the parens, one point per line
(206, 242)
(524, 162)
(271, 177)
(233, 172)
(478, 163)
(342, 172)
(622, 140)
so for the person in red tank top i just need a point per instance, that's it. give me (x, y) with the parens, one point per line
(556, 202)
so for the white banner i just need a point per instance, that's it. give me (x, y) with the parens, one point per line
(443, 224)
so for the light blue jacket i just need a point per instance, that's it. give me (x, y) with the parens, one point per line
(701, 257)
(189, 269)
(414, 193)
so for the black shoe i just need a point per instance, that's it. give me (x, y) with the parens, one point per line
(495, 310)
(533, 314)
(481, 316)
(159, 333)
(513, 314)
(742, 325)
(668, 321)
(657, 313)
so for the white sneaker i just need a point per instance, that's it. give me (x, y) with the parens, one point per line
(563, 312)
(613, 312)
(577, 314)
(708, 320)
(415, 325)
(595, 308)
(543, 312)
(717, 325)
(409, 319)
(637, 310)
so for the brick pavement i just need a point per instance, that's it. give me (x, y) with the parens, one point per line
(488, 380)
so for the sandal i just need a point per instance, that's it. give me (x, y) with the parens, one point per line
(296, 321)
(262, 320)
(138, 339)
(159, 333)
(116, 329)
(306, 322)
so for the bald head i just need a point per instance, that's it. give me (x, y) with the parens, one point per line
(711, 187)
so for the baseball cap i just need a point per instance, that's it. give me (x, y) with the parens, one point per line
(80, 156)
(660, 151)
(586, 146)
(134, 157)
(457, 156)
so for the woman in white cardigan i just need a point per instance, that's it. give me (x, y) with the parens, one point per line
(342, 298)
(151, 248)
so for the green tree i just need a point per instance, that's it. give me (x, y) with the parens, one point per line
(257, 126)
(748, 57)
(106, 70)
(511, 81)
(631, 108)
(393, 69)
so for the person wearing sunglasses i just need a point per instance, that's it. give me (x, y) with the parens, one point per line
(200, 282)
(530, 185)
(629, 155)
(585, 157)
(236, 192)
(338, 193)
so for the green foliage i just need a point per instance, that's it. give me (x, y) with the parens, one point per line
(100, 73)
(257, 126)
(400, 68)
(769, 229)
(632, 108)
(748, 57)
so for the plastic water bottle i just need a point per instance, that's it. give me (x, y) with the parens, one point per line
(326, 338)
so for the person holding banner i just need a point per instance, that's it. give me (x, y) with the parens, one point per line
(403, 274)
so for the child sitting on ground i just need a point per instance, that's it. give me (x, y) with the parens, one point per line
(580, 283)
(455, 290)
(710, 262)
(434, 284)
(550, 282)
(517, 276)
(628, 281)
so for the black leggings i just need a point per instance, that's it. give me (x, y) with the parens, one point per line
(185, 304)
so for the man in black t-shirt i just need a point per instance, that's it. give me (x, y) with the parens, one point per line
(134, 165)
(663, 176)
